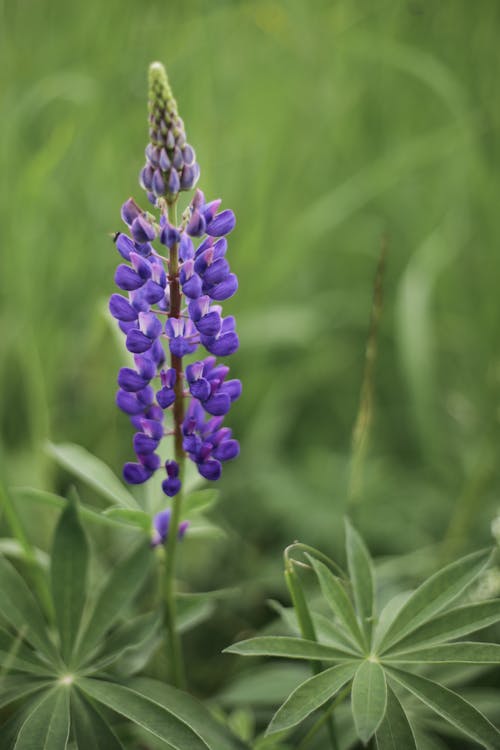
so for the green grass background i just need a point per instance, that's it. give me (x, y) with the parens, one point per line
(326, 126)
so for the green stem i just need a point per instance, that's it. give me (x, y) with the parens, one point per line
(174, 649)
(307, 630)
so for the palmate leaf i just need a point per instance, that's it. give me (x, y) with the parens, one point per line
(145, 711)
(69, 563)
(433, 595)
(455, 623)
(91, 731)
(326, 631)
(16, 655)
(395, 732)
(94, 472)
(47, 724)
(130, 635)
(294, 648)
(20, 609)
(361, 574)
(310, 695)
(13, 687)
(467, 652)
(118, 591)
(368, 698)
(339, 602)
(457, 711)
(190, 710)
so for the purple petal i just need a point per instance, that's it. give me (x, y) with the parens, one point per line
(200, 389)
(210, 469)
(137, 342)
(150, 325)
(221, 224)
(165, 397)
(126, 278)
(171, 486)
(227, 450)
(223, 346)
(136, 473)
(130, 380)
(209, 324)
(129, 403)
(141, 229)
(192, 287)
(218, 404)
(216, 272)
(225, 289)
(233, 389)
(144, 444)
(130, 211)
(124, 245)
(145, 366)
(121, 309)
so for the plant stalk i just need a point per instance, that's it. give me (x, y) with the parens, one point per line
(174, 649)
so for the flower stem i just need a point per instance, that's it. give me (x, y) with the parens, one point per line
(176, 662)
(307, 630)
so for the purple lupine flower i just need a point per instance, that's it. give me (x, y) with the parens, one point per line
(172, 277)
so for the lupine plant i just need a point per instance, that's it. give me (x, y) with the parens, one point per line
(85, 667)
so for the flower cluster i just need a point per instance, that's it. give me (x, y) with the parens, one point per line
(172, 279)
(146, 317)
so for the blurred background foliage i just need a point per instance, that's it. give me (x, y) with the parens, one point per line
(327, 126)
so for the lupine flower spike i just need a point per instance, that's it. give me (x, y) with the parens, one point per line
(171, 280)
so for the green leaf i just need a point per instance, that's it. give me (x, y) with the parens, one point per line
(91, 731)
(294, 648)
(433, 595)
(309, 696)
(129, 636)
(138, 518)
(144, 711)
(69, 563)
(453, 624)
(42, 497)
(47, 725)
(13, 687)
(459, 653)
(193, 610)
(189, 710)
(94, 472)
(339, 602)
(395, 732)
(118, 591)
(12, 548)
(361, 574)
(14, 654)
(368, 699)
(19, 608)
(457, 711)
(326, 631)
(199, 501)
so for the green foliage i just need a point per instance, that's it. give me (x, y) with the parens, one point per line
(68, 679)
(385, 649)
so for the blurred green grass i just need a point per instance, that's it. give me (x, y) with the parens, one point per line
(324, 125)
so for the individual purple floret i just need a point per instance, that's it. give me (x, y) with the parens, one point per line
(172, 277)
(161, 525)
